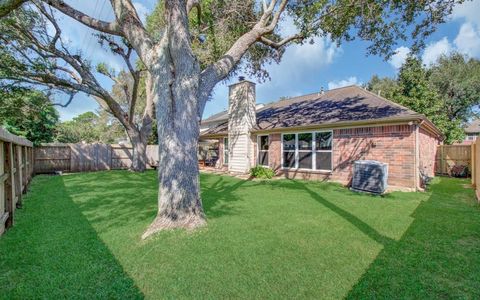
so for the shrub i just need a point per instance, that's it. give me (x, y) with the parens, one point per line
(262, 172)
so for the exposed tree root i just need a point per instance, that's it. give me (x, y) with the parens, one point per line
(189, 222)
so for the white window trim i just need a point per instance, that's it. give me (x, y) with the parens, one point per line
(314, 152)
(260, 150)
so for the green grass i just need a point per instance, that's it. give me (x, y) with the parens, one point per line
(78, 236)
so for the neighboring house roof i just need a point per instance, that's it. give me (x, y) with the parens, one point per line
(473, 127)
(337, 106)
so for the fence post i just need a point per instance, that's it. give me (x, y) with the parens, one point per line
(473, 159)
(442, 161)
(18, 175)
(9, 184)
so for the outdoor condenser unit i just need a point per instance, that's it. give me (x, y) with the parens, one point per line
(370, 176)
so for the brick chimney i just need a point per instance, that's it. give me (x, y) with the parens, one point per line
(241, 120)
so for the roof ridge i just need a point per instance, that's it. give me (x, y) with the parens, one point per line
(314, 93)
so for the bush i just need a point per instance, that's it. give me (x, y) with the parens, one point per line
(262, 172)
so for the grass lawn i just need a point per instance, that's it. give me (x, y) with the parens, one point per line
(78, 236)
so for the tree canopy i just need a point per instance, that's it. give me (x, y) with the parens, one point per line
(448, 92)
(90, 127)
(28, 113)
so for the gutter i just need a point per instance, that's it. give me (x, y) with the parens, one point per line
(428, 125)
(416, 171)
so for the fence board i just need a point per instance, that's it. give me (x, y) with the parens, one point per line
(15, 174)
(449, 156)
(56, 157)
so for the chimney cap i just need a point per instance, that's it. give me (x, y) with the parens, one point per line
(241, 78)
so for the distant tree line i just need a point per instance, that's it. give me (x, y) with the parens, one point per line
(447, 92)
(31, 113)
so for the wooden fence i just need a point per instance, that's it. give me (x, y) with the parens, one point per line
(476, 167)
(449, 156)
(51, 158)
(16, 170)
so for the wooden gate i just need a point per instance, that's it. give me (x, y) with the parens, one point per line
(449, 156)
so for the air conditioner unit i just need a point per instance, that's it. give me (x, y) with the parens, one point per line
(370, 176)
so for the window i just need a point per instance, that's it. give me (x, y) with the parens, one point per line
(289, 142)
(307, 150)
(262, 144)
(471, 136)
(323, 150)
(225, 151)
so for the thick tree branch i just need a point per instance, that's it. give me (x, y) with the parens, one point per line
(107, 27)
(285, 41)
(133, 30)
(221, 68)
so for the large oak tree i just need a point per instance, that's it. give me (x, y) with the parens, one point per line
(197, 44)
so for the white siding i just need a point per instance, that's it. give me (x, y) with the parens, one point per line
(241, 119)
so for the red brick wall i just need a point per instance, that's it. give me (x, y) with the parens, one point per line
(427, 144)
(393, 144)
(274, 151)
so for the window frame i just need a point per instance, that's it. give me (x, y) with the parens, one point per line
(259, 149)
(314, 152)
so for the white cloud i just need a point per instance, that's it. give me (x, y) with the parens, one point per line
(399, 57)
(434, 50)
(341, 83)
(468, 11)
(468, 40)
(320, 50)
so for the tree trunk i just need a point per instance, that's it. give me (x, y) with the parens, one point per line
(139, 155)
(179, 201)
(175, 91)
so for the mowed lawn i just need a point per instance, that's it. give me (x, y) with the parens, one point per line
(78, 236)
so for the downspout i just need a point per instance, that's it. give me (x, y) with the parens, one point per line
(417, 156)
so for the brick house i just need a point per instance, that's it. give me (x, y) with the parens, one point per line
(319, 136)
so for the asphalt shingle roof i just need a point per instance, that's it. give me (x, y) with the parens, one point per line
(347, 104)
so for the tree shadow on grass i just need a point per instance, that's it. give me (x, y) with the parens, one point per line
(120, 198)
(53, 252)
(346, 215)
(114, 198)
(438, 256)
(352, 219)
(218, 197)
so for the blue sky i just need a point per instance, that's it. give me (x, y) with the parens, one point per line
(304, 69)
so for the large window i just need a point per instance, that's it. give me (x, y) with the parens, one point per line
(308, 150)
(225, 151)
(262, 143)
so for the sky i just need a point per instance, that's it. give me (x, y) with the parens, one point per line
(304, 69)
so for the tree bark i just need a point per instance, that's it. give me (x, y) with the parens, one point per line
(175, 88)
(139, 155)
(179, 201)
